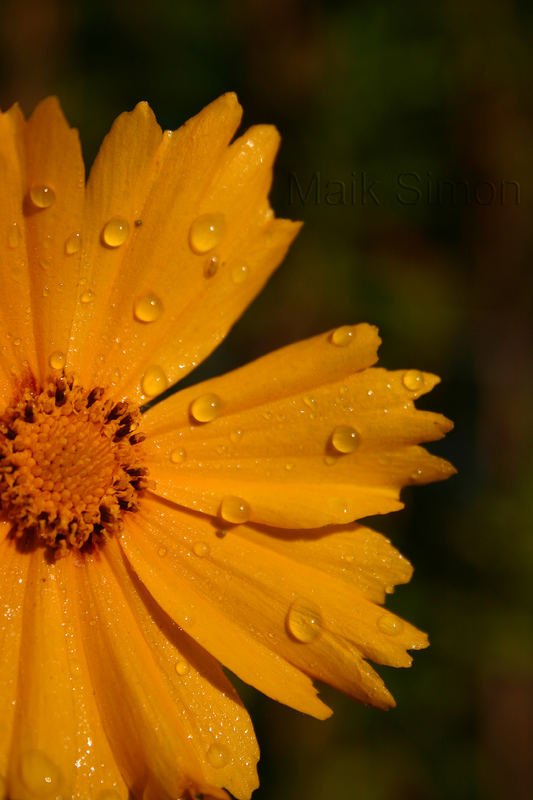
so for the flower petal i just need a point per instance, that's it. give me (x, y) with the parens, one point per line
(148, 738)
(209, 624)
(272, 444)
(274, 600)
(216, 723)
(55, 694)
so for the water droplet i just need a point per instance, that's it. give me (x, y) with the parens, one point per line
(57, 360)
(148, 308)
(239, 273)
(206, 232)
(235, 436)
(341, 337)
(330, 460)
(211, 267)
(200, 549)
(413, 380)
(86, 297)
(40, 776)
(304, 621)
(162, 552)
(310, 401)
(178, 455)
(345, 439)
(17, 341)
(181, 667)
(235, 510)
(14, 235)
(289, 466)
(154, 381)
(218, 755)
(206, 407)
(42, 196)
(221, 533)
(390, 625)
(115, 232)
(73, 244)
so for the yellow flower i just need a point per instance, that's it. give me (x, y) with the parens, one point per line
(138, 553)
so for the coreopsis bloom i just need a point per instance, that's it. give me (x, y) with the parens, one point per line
(139, 552)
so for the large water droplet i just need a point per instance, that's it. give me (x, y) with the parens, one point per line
(200, 549)
(73, 244)
(148, 308)
(345, 439)
(86, 297)
(154, 381)
(235, 510)
(390, 625)
(341, 337)
(42, 196)
(57, 360)
(115, 232)
(218, 755)
(14, 235)
(181, 668)
(206, 407)
(304, 621)
(413, 380)
(178, 455)
(40, 776)
(206, 232)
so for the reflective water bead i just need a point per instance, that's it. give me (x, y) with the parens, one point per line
(345, 439)
(154, 381)
(40, 776)
(73, 244)
(178, 455)
(115, 232)
(162, 552)
(181, 667)
(211, 267)
(239, 273)
(148, 308)
(235, 436)
(14, 236)
(413, 380)
(200, 549)
(304, 621)
(57, 360)
(206, 232)
(86, 297)
(390, 625)
(235, 510)
(42, 196)
(218, 755)
(341, 337)
(206, 407)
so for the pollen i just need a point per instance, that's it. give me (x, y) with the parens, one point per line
(70, 465)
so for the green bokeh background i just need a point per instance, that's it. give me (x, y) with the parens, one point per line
(441, 90)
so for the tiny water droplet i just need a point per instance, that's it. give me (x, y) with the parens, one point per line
(239, 273)
(148, 308)
(211, 266)
(310, 401)
(154, 381)
(40, 776)
(235, 436)
(304, 621)
(42, 196)
(235, 510)
(162, 552)
(206, 232)
(329, 461)
(345, 439)
(178, 455)
(73, 244)
(14, 235)
(413, 380)
(17, 341)
(218, 755)
(181, 667)
(206, 407)
(57, 360)
(341, 337)
(86, 297)
(390, 625)
(200, 549)
(289, 466)
(115, 232)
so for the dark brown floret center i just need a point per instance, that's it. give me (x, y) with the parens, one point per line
(70, 466)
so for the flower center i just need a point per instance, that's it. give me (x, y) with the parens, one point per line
(69, 465)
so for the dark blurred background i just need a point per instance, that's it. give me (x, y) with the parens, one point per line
(427, 110)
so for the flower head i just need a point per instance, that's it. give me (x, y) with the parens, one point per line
(141, 551)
